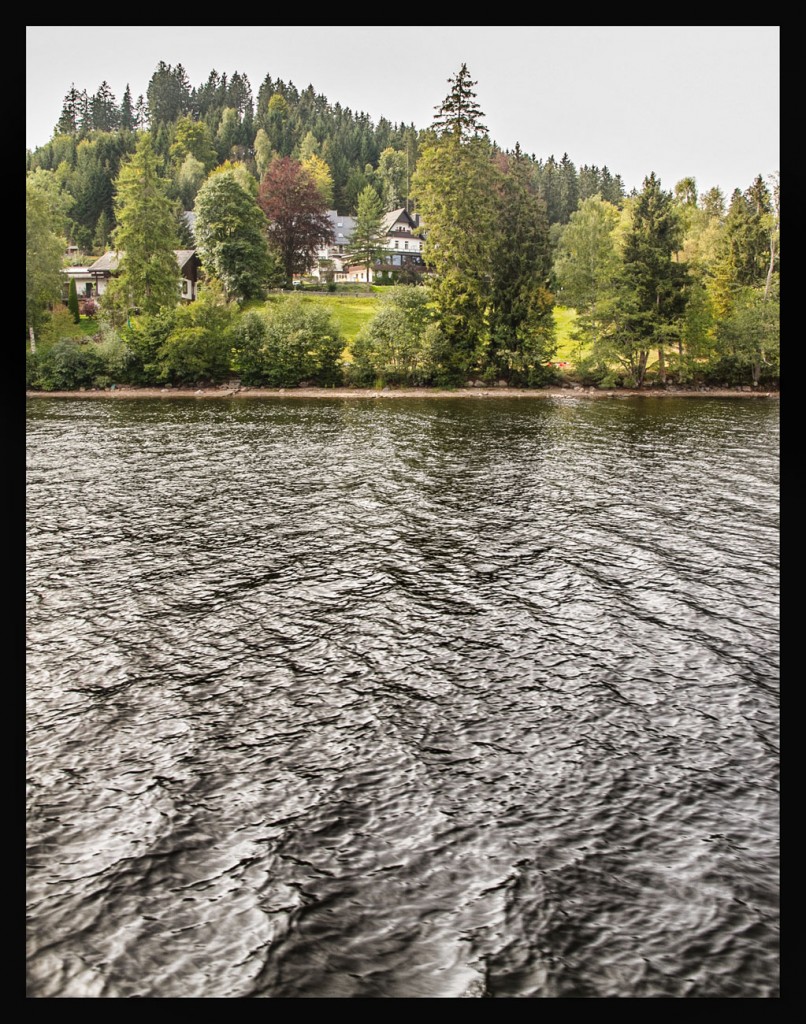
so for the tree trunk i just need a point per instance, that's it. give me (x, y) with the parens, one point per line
(33, 339)
(661, 365)
(769, 269)
(642, 359)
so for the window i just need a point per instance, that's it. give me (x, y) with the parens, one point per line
(405, 245)
(396, 243)
(184, 287)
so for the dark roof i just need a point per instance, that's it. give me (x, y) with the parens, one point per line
(110, 261)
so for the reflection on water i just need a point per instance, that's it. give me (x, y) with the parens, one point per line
(429, 698)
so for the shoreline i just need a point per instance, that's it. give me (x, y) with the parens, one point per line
(229, 391)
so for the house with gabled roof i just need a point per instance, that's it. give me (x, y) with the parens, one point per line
(403, 247)
(106, 266)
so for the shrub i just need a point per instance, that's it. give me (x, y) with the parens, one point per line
(198, 347)
(291, 342)
(401, 344)
(88, 307)
(60, 324)
(67, 365)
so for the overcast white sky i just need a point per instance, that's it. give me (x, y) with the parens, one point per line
(700, 101)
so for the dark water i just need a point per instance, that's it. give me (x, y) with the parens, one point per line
(407, 699)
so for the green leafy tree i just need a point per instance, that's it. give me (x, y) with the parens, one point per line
(320, 173)
(145, 236)
(100, 240)
(44, 249)
(586, 269)
(228, 134)
(368, 241)
(72, 301)
(395, 347)
(744, 254)
(231, 237)
(198, 345)
(192, 138)
(263, 152)
(391, 178)
(189, 179)
(58, 200)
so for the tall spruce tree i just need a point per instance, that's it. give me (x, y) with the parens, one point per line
(454, 187)
(520, 311)
(459, 114)
(145, 236)
(653, 283)
(368, 241)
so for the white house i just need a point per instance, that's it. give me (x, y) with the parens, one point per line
(403, 248)
(84, 279)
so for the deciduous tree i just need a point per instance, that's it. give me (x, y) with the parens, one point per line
(231, 237)
(44, 249)
(297, 216)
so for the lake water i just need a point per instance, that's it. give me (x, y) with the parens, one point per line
(417, 698)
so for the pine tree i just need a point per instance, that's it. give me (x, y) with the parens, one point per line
(127, 116)
(145, 236)
(104, 110)
(520, 311)
(68, 123)
(459, 114)
(368, 241)
(72, 301)
(653, 282)
(454, 187)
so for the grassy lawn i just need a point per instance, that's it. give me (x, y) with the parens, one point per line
(567, 349)
(350, 312)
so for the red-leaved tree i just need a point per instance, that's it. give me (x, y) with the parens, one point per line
(297, 216)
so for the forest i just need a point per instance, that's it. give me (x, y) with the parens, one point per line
(660, 286)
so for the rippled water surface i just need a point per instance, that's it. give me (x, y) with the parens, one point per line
(356, 698)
